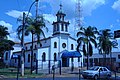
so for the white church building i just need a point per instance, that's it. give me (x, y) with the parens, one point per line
(60, 46)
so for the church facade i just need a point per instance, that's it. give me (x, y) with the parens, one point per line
(57, 47)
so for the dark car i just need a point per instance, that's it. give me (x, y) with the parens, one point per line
(97, 72)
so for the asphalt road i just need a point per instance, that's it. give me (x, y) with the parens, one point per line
(57, 78)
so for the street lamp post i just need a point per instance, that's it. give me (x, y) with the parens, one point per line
(23, 49)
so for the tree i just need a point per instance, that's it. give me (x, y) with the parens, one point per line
(35, 27)
(106, 43)
(5, 44)
(87, 37)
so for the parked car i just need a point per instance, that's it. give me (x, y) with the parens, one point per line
(97, 72)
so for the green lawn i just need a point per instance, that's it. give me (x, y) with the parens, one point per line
(7, 73)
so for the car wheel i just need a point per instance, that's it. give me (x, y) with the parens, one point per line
(108, 76)
(95, 77)
(85, 77)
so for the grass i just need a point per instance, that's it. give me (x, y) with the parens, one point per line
(7, 73)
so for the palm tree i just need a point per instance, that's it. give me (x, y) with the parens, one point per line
(106, 43)
(35, 27)
(87, 37)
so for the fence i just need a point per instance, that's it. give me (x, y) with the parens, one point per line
(47, 66)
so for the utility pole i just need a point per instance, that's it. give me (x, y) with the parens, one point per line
(23, 49)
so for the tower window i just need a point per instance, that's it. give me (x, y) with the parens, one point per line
(55, 57)
(62, 25)
(44, 57)
(72, 46)
(28, 57)
(66, 28)
(57, 28)
(55, 44)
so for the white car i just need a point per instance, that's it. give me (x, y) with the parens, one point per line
(97, 72)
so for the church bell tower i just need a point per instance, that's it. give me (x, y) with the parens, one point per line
(60, 26)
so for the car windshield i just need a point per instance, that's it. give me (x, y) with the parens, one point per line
(94, 68)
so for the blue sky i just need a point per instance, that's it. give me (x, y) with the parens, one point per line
(103, 14)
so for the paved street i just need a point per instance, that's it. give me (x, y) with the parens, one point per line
(58, 78)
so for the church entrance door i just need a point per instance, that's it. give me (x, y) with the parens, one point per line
(65, 62)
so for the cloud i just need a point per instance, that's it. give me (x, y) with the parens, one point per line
(8, 25)
(116, 5)
(16, 14)
(69, 7)
(89, 6)
(12, 35)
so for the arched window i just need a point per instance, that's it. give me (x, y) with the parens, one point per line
(55, 44)
(6, 56)
(72, 46)
(40, 45)
(44, 57)
(28, 57)
(34, 57)
(55, 57)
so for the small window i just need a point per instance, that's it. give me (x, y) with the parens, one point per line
(55, 57)
(43, 57)
(28, 57)
(72, 47)
(55, 44)
(6, 56)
